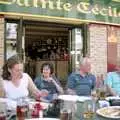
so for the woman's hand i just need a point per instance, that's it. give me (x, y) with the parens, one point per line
(40, 94)
(59, 88)
(51, 79)
(44, 93)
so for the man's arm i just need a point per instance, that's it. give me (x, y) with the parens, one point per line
(71, 85)
(93, 81)
(71, 91)
(108, 83)
(111, 91)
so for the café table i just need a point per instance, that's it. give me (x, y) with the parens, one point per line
(10, 106)
(79, 101)
(79, 114)
(43, 119)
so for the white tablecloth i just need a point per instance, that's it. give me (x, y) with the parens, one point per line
(43, 119)
(74, 98)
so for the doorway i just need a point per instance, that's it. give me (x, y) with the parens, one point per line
(50, 42)
(46, 42)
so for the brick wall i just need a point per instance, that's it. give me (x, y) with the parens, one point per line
(98, 48)
(1, 50)
(1, 41)
(118, 45)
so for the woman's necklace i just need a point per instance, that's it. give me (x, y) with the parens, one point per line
(16, 83)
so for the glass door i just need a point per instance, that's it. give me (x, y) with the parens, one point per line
(76, 46)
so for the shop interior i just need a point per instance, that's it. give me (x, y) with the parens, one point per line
(46, 42)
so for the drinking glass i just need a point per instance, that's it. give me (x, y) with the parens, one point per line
(102, 92)
(22, 108)
(100, 87)
(3, 111)
(65, 110)
(94, 95)
(88, 109)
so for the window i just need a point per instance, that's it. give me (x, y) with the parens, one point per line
(11, 39)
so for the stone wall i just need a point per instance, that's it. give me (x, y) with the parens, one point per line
(98, 48)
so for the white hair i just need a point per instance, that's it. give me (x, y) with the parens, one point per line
(85, 60)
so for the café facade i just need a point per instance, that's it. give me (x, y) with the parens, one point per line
(61, 32)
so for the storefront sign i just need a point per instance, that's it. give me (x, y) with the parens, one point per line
(92, 10)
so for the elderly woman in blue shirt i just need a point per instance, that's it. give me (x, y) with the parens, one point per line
(48, 81)
(81, 82)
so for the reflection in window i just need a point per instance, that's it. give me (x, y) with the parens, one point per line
(11, 31)
(11, 38)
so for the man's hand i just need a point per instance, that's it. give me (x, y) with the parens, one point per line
(71, 92)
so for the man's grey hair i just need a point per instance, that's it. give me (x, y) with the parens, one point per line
(85, 60)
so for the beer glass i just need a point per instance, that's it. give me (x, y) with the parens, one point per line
(94, 95)
(65, 110)
(100, 87)
(102, 92)
(22, 109)
(88, 109)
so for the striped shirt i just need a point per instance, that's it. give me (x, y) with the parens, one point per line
(81, 85)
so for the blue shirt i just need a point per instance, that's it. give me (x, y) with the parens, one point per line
(113, 81)
(43, 84)
(81, 85)
(49, 86)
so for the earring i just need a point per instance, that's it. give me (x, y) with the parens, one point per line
(9, 70)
